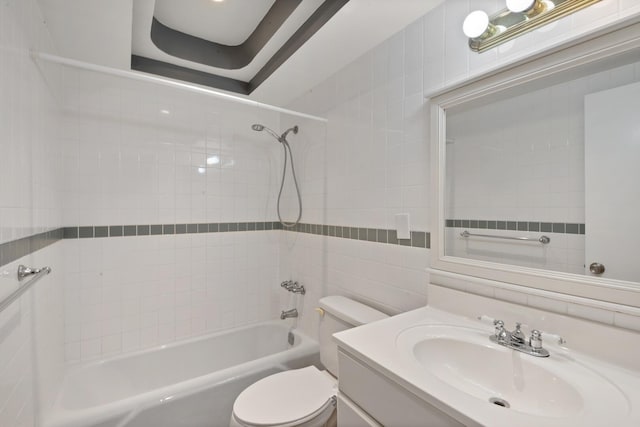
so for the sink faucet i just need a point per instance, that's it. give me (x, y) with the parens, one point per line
(516, 340)
(289, 313)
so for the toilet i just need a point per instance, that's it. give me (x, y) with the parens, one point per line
(304, 397)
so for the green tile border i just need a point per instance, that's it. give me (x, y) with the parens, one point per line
(16, 249)
(418, 239)
(537, 226)
(100, 231)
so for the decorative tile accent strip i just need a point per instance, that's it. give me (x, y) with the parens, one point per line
(545, 227)
(419, 239)
(88, 232)
(16, 249)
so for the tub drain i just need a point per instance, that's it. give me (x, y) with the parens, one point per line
(499, 402)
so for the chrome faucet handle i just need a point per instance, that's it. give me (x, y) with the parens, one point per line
(501, 333)
(517, 335)
(298, 289)
(535, 341)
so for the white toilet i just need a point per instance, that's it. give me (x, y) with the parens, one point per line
(303, 397)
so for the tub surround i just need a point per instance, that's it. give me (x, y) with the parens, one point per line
(385, 350)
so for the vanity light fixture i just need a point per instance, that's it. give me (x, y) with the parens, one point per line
(519, 17)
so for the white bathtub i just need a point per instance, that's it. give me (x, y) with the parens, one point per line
(190, 383)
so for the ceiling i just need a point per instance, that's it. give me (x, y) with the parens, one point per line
(298, 42)
(225, 22)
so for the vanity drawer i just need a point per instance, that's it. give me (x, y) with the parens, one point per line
(350, 415)
(387, 402)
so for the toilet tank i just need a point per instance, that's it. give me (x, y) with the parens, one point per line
(341, 313)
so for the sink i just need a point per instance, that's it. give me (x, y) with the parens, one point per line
(465, 361)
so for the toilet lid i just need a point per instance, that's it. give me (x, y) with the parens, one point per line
(284, 397)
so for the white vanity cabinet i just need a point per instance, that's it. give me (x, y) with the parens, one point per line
(368, 398)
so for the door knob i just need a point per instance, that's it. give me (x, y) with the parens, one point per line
(596, 268)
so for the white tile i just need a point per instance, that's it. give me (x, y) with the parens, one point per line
(547, 304)
(111, 344)
(626, 321)
(90, 349)
(590, 313)
(511, 296)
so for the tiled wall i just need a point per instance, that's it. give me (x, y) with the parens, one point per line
(375, 162)
(372, 166)
(31, 328)
(449, 63)
(130, 293)
(31, 342)
(141, 159)
(140, 153)
(31, 162)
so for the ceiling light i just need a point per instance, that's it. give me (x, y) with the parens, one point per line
(519, 17)
(213, 160)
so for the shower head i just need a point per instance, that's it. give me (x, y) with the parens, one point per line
(281, 138)
(293, 129)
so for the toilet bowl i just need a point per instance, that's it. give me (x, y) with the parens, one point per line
(304, 397)
(300, 397)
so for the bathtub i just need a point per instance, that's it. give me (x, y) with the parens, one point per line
(189, 383)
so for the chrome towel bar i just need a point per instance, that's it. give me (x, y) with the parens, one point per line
(24, 272)
(542, 239)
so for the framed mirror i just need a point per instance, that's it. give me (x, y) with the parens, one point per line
(536, 172)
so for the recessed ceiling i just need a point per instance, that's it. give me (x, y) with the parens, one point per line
(169, 41)
(228, 22)
(108, 33)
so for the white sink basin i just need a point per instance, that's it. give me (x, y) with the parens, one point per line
(464, 359)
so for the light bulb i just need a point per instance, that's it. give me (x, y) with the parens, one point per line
(519, 6)
(475, 24)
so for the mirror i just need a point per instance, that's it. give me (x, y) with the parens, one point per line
(537, 173)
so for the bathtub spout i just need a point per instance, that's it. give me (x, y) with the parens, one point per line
(289, 313)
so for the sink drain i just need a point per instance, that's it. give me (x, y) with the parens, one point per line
(499, 402)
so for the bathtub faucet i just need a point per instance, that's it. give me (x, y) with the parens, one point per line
(294, 287)
(289, 313)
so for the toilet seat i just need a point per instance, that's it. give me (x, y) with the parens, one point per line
(286, 398)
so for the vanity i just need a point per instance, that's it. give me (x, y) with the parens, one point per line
(437, 366)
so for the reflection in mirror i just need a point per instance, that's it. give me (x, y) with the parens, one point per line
(559, 161)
